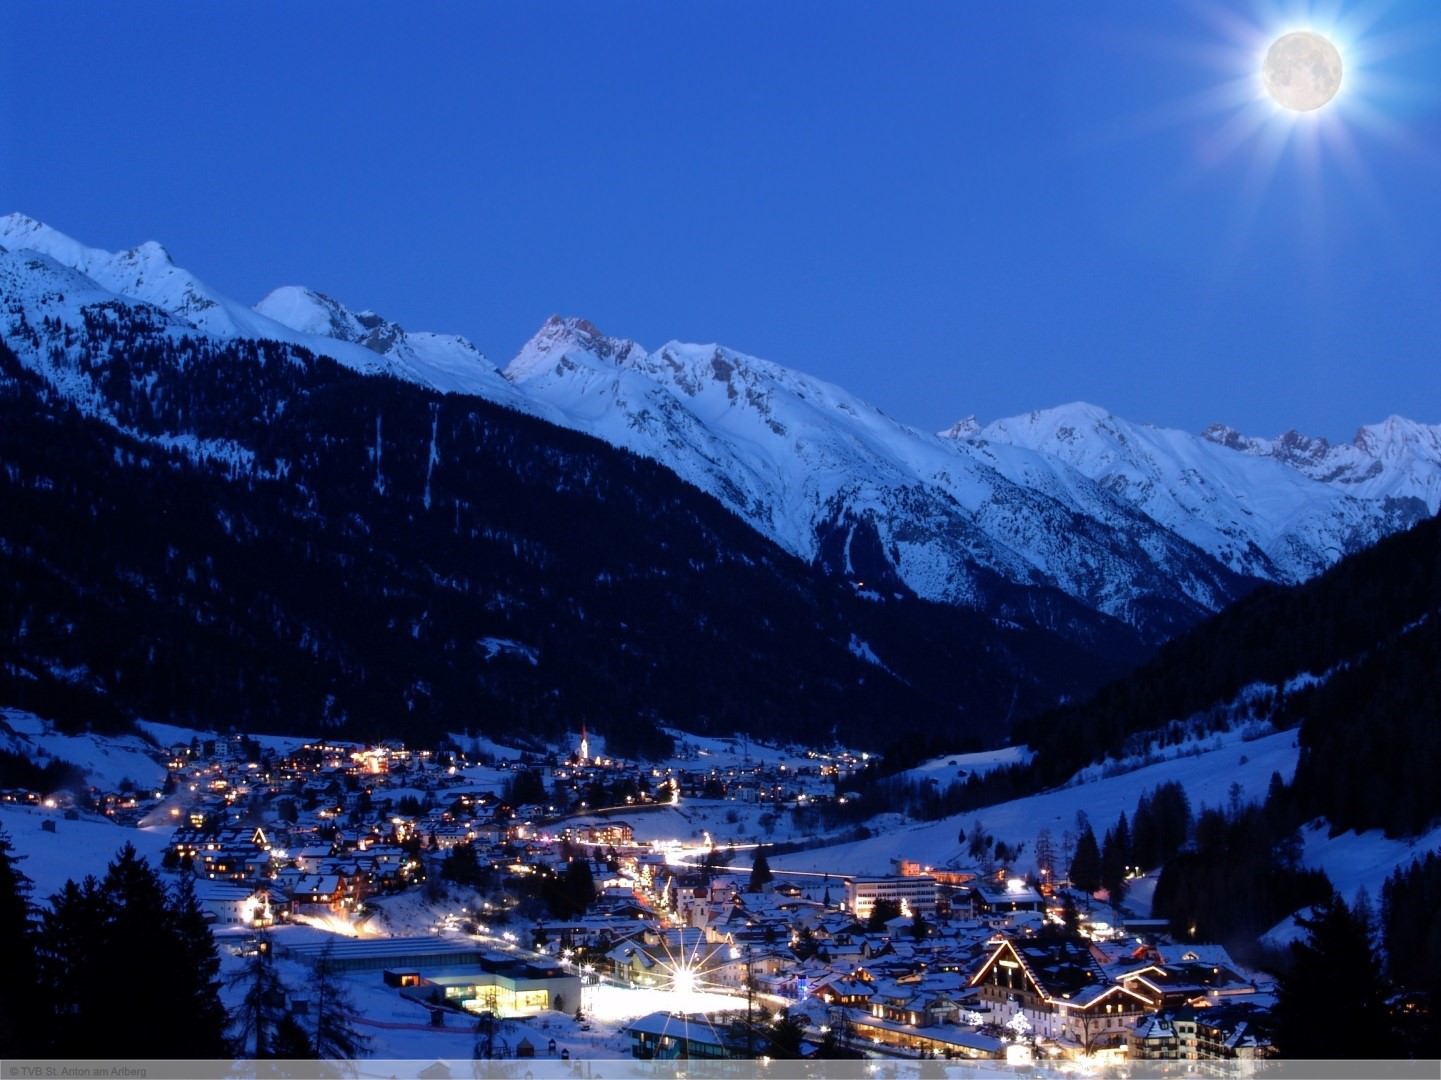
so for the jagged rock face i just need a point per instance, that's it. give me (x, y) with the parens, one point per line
(1265, 515)
(1397, 459)
(813, 467)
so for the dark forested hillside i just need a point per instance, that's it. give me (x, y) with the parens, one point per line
(253, 536)
(1351, 657)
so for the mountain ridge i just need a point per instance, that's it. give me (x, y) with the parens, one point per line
(1256, 512)
(355, 570)
(959, 517)
(1395, 457)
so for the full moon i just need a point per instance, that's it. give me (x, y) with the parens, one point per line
(1302, 71)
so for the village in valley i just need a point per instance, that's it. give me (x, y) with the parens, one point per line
(484, 901)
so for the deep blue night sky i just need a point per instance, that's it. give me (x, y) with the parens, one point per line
(976, 207)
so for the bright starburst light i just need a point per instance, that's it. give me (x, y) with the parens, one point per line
(1233, 120)
(683, 970)
(683, 979)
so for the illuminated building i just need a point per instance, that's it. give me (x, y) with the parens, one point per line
(461, 973)
(1061, 992)
(915, 895)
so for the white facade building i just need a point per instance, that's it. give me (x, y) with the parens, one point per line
(916, 895)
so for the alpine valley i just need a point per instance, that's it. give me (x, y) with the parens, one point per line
(294, 516)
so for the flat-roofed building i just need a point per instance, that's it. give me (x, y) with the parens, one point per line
(915, 895)
(457, 973)
(1003, 898)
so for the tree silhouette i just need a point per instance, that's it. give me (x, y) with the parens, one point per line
(1334, 972)
(761, 874)
(334, 1035)
(22, 1004)
(1115, 860)
(1085, 869)
(262, 1007)
(882, 912)
(101, 934)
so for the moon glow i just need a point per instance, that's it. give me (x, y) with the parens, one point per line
(1302, 71)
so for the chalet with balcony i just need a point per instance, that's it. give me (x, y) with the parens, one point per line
(1061, 991)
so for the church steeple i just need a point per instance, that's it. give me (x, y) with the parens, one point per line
(584, 746)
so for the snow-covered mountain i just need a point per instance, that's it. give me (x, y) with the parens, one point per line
(1261, 514)
(835, 480)
(442, 361)
(364, 342)
(1397, 458)
(1065, 507)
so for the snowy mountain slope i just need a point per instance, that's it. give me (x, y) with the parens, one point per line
(384, 538)
(1259, 516)
(146, 274)
(836, 481)
(1047, 518)
(107, 760)
(442, 361)
(1207, 778)
(830, 478)
(1351, 860)
(1397, 458)
(42, 310)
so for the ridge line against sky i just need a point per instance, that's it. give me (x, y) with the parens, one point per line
(946, 209)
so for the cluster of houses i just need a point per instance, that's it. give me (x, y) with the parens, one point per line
(274, 836)
(326, 825)
(972, 977)
(974, 965)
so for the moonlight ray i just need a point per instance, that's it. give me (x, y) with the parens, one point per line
(1296, 88)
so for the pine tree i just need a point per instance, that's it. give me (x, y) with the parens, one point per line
(256, 1019)
(1365, 914)
(1045, 856)
(335, 1036)
(1146, 848)
(979, 843)
(138, 938)
(1172, 816)
(1086, 864)
(199, 1015)
(783, 1038)
(1070, 917)
(1335, 973)
(71, 940)
(761, 874)
(1115, 860)
(882, 912)
(578, 887)
(290, 1042)
(23, 1016)
(108, 933)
